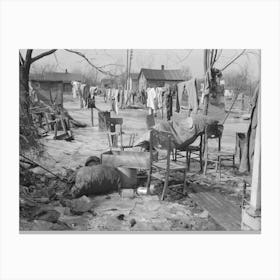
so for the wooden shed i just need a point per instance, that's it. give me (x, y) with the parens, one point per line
(158, 77)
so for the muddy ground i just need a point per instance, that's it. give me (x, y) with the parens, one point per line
(43, 205)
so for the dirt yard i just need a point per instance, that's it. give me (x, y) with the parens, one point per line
(111, 212)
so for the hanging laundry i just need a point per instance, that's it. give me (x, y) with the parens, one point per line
(125, 97)
(151, 94)
(115, 106)
(192, 95)
(75, 89)
(182, 96)
(93, 91)
(159, 97)
(169, 103)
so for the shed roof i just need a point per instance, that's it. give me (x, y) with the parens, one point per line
(56, 77)
(162, 75)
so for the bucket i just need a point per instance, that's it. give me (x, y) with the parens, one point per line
(128, 177)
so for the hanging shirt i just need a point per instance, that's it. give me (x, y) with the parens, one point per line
(169, 104)
(92, 91)
(159, 97)
(192, 95)
(115, 96)
(181, 96)
(151, 94)
(75, 89)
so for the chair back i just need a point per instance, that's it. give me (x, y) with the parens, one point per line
(114, 135)
(214, 131)
(150, 121)
(160, 140)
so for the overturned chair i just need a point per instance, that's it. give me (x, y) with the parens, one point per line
(161, 167)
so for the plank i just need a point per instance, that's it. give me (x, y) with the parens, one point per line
(224, 212)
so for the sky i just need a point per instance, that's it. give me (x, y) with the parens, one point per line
(148, 58)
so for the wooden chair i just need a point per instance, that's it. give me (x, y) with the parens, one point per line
(161, 167)
(115, 135)
(195, 150)
(214, 132)
(65, 124)
(150, 121)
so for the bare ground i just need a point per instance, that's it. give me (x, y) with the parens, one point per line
(111, 212)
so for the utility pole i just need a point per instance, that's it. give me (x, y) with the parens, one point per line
(129, 68)
(127, 58)
(205, 66)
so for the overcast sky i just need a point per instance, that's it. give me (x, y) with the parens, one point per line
(148, 58)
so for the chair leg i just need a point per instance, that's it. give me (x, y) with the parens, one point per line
(189, 160)
(165, 184)
(233, 161)
(167, 172)
(205, 166)
(175, 155)
(200, 160)
(149, 181)
(220, 161)
(55, 128)
(185, 178)
(216, 165)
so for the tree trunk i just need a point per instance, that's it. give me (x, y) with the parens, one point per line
(24, 87)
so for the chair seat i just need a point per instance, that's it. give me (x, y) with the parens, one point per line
(173, 165)
(193, 148)
(221, 154)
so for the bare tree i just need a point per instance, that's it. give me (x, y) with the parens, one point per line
(42, 69)
(26, 123)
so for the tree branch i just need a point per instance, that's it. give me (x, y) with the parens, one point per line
(43, 55)
(230, 62)
(90, 63)
(21, 60)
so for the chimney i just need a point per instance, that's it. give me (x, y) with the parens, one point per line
(66, 71)
(162, 67)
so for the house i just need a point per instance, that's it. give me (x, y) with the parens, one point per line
(52, 85)
(50, 79)
(158, 77)
(109, 83)
(133, 81)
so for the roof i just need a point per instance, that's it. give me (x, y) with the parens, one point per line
(162, 75)
(134, 76)
(56, 77)
(109, 82)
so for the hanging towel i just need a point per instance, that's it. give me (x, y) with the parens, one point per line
(192, 95)
(159, 97)
(151, 98)
(182, 96)
(169, 104)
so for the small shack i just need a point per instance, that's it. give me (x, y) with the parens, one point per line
(51, 86)
(158, 77)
